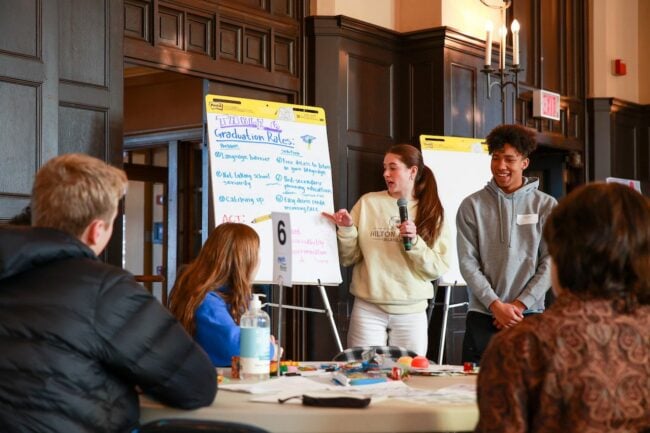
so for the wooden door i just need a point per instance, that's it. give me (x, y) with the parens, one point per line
(60, 91)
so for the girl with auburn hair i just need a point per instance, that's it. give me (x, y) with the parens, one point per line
(430, 215)
(213, 292)
(392, 283)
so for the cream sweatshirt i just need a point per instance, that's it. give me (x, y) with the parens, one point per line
(397, 281)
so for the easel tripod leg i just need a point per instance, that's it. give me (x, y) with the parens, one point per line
(330, 316)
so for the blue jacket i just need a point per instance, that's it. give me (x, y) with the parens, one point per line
(216, 331)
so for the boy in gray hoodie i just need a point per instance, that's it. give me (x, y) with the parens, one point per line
(501, 253)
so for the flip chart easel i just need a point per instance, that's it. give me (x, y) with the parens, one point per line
(461, 166)
(273, 157)
(282, 272)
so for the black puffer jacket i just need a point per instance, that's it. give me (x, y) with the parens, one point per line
(77, 335)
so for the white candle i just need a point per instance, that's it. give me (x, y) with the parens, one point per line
(502, 47)
(515, 42)
(488, 43)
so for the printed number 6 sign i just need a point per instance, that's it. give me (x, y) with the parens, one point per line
(282, 248)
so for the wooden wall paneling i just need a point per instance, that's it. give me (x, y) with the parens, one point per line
(170, 30)
(575, 123)
(491, 108)
(618, 135)
(84, 130)
(91, 86)
(230, 89)
(527, 13)
(465, 108)
(258, 4)
(19, 104)
(21, 20)
(599, 139)
(643, 167)
(551, 52)
(631, 145)
(575, 41)
(230, 41)
(66, 60)
(325, 61)
(370, 97)
(365, 171)
(137, 23)
(84, 41)
(367, 103)
(161, 101)
(256, 47)
(284, 56)
(199, 34)
(423, 106)
(349, 53)
(625, 150)
(558, 56)
(470, 112)
(29, 93)
(224, 41)
(97, 89)
(283, 8)
(463, 80)
(423, 111)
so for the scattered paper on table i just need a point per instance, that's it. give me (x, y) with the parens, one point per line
(270, 391)
(294, 384)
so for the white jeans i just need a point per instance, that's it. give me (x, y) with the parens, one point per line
(371, 326)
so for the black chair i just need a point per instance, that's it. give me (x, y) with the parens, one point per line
(361, 353)
(198, 426)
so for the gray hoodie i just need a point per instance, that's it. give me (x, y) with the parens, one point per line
(500, 248)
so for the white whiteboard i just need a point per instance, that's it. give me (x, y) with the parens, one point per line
(272, 157)
(461, 167)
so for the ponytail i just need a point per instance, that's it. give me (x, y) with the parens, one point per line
(430, 216)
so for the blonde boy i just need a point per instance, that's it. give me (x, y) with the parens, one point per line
(79, 335)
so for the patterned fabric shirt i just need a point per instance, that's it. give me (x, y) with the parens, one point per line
(578, 367)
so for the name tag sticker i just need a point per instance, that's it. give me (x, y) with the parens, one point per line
(525, 219)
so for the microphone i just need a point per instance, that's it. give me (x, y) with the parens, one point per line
(403, 216)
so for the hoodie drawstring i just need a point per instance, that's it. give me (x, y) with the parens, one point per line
(500, 199)
(512, 220)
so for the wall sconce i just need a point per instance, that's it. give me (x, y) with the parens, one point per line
(507, 75)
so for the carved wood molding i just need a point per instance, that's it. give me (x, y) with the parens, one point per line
(260, 44)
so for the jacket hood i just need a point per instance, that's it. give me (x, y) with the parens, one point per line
(530, 184)
(25, 248)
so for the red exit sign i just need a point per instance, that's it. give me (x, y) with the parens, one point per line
(546, 104)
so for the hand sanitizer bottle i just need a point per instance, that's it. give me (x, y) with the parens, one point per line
(255, 342)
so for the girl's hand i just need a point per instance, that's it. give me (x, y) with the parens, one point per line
(341, 218)
(407, 229)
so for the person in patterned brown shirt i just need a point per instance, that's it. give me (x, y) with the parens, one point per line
(583, 365)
